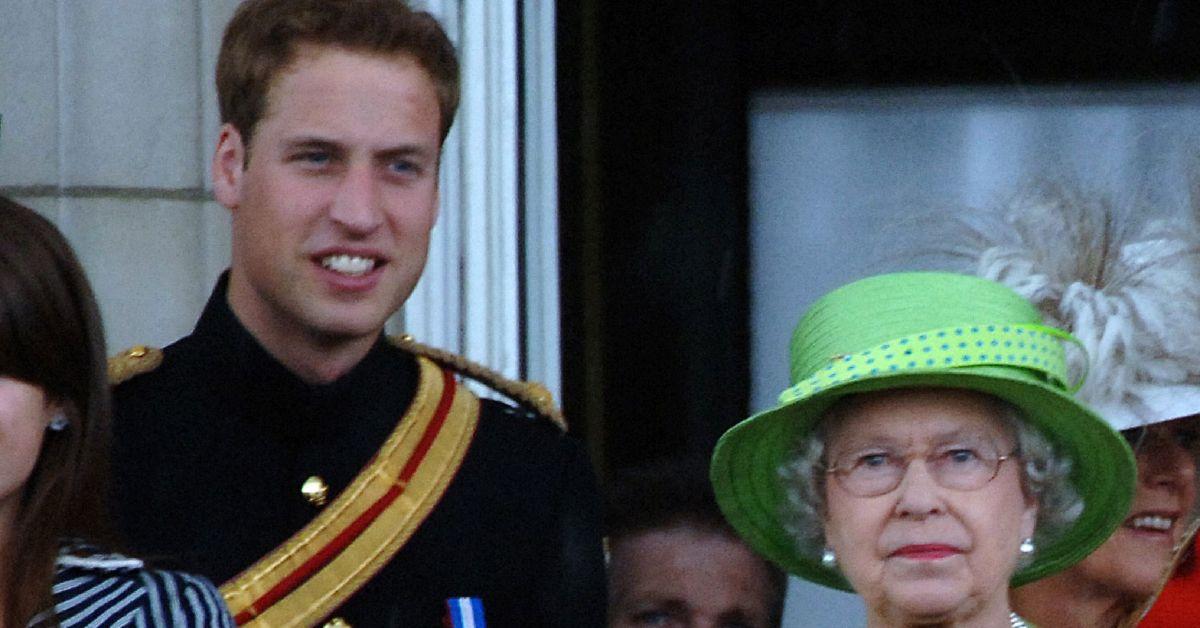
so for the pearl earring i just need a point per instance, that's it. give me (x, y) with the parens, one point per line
(58, 423)
(1027, 546)
(828, 558)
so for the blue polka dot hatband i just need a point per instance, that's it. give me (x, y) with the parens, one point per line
(910, 330)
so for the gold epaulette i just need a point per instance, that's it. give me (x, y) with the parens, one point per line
(133, 361)
(532, 395)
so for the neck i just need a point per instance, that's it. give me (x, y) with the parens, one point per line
(314, 358)
(317, 362)
(1061, 600)
(993, 615)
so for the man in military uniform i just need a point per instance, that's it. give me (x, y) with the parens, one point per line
(287, 448)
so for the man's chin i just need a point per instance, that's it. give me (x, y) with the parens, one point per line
(342, 326)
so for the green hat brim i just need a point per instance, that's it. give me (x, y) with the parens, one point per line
(747, 459)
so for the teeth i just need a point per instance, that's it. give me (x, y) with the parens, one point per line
(348, 264)
(1153, 523)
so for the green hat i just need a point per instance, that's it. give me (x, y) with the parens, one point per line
(909, 330)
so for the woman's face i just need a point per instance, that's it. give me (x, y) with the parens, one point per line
(1129, 564)
(24, 413)
(922, 551)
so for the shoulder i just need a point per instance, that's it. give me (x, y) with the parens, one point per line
(522, 437)
(134, 361)
(144, 372)
(91, 586)
(532, 400)
(519, 423)
(156, 395)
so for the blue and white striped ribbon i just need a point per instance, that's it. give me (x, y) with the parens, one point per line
(465, 612)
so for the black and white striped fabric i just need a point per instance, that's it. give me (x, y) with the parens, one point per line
(102, 590)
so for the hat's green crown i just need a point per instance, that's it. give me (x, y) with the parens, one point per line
(1033, 348)
(872, 311)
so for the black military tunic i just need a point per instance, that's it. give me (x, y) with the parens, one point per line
(213, 446)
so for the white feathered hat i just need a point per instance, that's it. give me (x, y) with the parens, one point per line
(1127, 287)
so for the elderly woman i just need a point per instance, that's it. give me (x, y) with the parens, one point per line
(53, 444)
(1129, 289)
(927, 455)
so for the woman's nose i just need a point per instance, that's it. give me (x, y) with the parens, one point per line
(918, 494)
(1165, 463)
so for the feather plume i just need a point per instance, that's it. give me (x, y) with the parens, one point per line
(1126, 286)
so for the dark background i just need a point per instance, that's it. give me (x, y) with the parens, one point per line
(653, 99)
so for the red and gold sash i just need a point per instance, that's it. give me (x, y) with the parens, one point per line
(312, 573)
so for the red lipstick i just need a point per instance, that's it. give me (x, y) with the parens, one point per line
(926, 551)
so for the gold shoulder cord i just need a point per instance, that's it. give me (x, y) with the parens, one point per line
(1179, 554)
(133, 362)
(529, 394)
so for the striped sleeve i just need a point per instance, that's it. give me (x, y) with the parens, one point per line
(138, 598)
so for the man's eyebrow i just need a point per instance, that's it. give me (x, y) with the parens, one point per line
(311, 142)
(672, 605)
(406, 150)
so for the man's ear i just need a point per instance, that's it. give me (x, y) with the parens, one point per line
(228, 166)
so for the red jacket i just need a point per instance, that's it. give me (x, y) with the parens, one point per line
(1179, 604)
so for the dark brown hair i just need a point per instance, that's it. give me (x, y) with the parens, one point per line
(263, 39)
(676, 493)
(51, 337)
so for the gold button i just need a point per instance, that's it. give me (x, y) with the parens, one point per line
(315, 490)
(137, 351)
(337, 622)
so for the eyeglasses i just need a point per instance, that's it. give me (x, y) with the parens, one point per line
(874, 471)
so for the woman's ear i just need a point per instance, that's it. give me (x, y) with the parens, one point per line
(56, 417)
(1029, 518)
(826, 529)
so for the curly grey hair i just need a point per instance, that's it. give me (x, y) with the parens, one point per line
(1045, 475)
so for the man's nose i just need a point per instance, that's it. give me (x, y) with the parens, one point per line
(356, 205)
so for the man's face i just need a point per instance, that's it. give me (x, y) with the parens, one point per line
(333, 209)
(685, 578)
